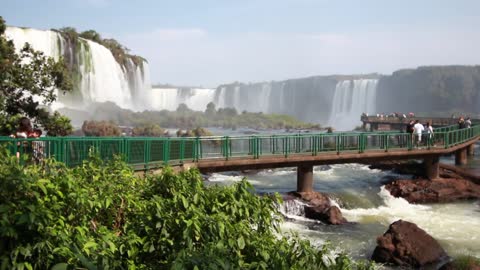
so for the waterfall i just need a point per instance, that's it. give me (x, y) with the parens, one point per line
(97, 76)
(169, 98)
(351, 99)
(313, 99)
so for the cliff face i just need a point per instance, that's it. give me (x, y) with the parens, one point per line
(431, 89)
(309, 99)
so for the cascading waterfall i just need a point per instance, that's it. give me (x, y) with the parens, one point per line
(169, 98)
(351, 99)
(97, 76)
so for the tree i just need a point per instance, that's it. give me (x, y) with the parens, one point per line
(100, 129)
(27, 80)
(210, 111)
(149, 130)
(183, 108)
(91, 35)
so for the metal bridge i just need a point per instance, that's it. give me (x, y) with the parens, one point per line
(224, 153)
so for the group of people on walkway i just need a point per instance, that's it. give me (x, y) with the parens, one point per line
(26, 131)
(464, 123)
(421, 132)
(416, 129)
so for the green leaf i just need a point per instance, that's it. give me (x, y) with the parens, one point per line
(241, 242)
(60, 266)
(90, 244)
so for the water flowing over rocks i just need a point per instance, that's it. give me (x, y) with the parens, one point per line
(96, 75)
(434, 191)
(405, 244)
(319, 207)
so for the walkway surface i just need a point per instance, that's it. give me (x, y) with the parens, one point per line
(223, 153)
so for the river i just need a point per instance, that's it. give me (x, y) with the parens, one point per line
(359, 192)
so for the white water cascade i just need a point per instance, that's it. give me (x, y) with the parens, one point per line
(169, 98)
(351, 99)
(97, 76)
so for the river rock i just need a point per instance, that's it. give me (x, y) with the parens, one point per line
(470, 264)
(434, 191)
(320, 208)
(405, 244)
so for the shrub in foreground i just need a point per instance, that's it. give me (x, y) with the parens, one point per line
(100, 215)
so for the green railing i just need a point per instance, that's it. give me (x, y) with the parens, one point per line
(144, 153)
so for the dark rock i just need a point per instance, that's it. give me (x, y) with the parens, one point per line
(400, 167)
(405, 244)
(434, 191)
(319, 207)
(469, 264)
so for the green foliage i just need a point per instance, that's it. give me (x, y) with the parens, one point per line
(23, 76)
(149, 130)
(197, 132)
(119, 52)
(100, 128)
(210, 111)
(186, 118)
(56, 124)
(100, 215)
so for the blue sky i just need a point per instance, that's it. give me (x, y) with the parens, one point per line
(211, 42)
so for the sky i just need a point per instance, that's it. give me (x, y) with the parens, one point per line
(210, 42)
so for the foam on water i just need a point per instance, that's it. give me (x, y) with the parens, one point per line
(360, 194)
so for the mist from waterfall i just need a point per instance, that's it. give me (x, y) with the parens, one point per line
(351, 99)
(169, 98)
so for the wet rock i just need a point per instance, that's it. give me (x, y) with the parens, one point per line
(323, 167)
(320, 208)
(434, 191)
(463, 263)
(400, 167)
(405, 244)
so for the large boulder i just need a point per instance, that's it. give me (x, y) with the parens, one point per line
(319, 207)
(405, 244)
(434, 191)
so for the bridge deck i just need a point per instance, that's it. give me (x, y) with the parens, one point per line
(275, 161)
(246, 152)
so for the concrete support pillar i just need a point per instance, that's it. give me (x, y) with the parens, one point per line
(305, 178)
(432, 167)
(461, 156)
(471, 150)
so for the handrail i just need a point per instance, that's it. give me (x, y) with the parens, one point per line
(147, 152)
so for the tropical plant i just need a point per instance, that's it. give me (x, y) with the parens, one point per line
(101, 215)
(27, 80)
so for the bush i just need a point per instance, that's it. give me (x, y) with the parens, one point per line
(100, 128)
(102, 216)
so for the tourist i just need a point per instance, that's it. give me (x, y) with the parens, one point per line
(410, 130)
(38, 146)
(429, 129)
(23, 130)
(461, 123)
(468, 123)
(418, 130)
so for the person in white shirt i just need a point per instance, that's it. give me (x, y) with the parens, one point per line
(418, 128)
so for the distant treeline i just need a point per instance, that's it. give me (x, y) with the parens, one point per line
(185, 118)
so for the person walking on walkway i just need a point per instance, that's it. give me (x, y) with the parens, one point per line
(418, 131)
(429, 128)
(468, 122)
(410, 130)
